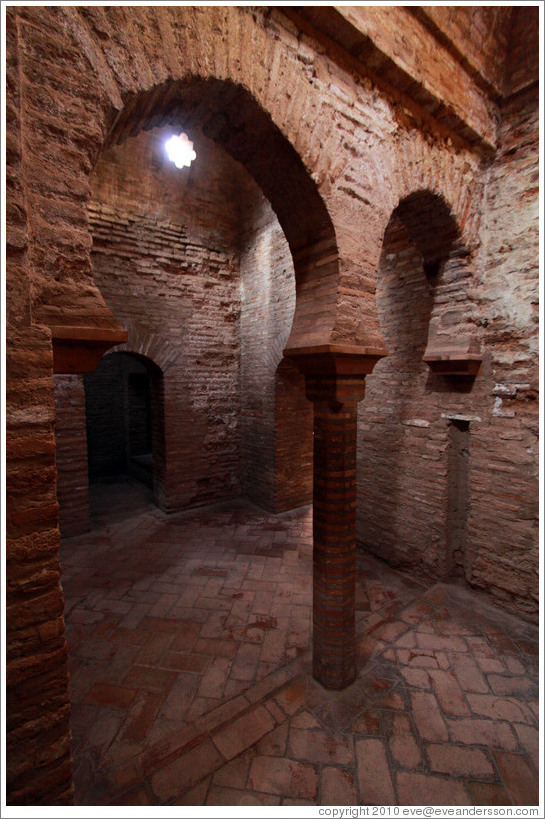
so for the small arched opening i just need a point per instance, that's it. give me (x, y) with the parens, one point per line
(413, 469)
(109, 424)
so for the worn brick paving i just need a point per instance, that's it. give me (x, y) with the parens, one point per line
(190, 672)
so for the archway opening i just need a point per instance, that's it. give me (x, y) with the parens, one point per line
(196, 266)
(412, 492)
(202, 267)
(125, 421)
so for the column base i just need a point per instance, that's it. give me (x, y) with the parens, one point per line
(334, 676)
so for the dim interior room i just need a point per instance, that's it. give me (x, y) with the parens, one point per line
(272, 407)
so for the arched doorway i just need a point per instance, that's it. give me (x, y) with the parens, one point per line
(108, 423)
(125, 421)
(334, 371)
(415, 425)
(196, 266)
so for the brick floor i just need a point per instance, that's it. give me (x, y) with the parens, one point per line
(189, 650)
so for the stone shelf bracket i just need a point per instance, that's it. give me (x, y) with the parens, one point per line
(79, 349)
(457, 356)
(454, 364)
(335, 383)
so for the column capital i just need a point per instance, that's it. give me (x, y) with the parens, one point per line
(335, 372)
(79, 349)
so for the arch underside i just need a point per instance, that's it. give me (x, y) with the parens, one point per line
(273, 122)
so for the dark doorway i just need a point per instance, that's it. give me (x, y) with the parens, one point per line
(124, 412)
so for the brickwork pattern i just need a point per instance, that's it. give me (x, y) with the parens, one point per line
(37, 698)
(476, 33)
(351, 149)
(167, 251)
(71, 455)
(303, 91)
(275, 416)
(191, 676)
(334, 545)
(522, 69)
(404, 441)
(294, 432)
(401, 436)
(501, 520)
(165, 256)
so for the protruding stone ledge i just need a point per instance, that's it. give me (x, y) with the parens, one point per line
(454, 363)
(339, 360)
(79, 349)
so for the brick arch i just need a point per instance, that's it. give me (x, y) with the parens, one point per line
(424, 306)
(230, 116)
(386, 171)
(136, 352)
(147, 347)
(432, 227)
(430, 224)
(246, 96)
(411, 166)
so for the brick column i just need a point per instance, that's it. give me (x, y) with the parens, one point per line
(335, 382)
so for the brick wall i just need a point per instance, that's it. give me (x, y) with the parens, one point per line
(276, 418)
(71, 455)
(336, 147)
(165, 254)
(504, 489)
(294, 439)
(37, 732)
(522, 63)
(415, 508)
(235, 420)
(402, 437)
(37, 699)
(479, 34)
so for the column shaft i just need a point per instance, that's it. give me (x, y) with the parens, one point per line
(334, 638)
(335, 383)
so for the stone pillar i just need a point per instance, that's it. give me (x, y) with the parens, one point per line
(335, 382)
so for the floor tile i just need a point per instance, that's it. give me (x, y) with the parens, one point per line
(191, 672)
